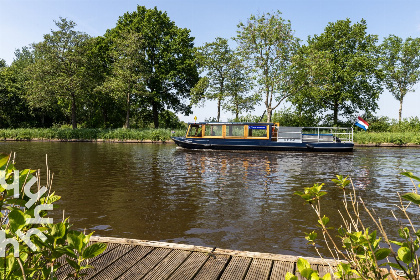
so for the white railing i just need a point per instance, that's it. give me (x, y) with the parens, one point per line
(329, 134)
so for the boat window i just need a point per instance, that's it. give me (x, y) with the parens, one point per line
(213, 130)
(195, 130)
(234, 130)
(257, 131)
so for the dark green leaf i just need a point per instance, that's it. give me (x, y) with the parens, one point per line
(17, 220)
(382, 253)
(73, 263)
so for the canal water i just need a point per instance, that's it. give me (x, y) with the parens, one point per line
(241, 200)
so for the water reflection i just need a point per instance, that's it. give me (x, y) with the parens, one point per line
(229, 199)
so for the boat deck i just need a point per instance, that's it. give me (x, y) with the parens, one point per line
(136, 259)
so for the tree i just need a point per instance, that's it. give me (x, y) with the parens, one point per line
(128, 74)
(14, 109)
(59, 76)
(170, 68)
(266, 43)
(239, 98)
(401, 66)
(215, 59)
(351, 78)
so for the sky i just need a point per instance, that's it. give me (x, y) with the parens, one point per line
(25, 22)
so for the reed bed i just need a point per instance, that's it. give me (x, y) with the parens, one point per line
(164, 134)
(86, 134)
(397, 138)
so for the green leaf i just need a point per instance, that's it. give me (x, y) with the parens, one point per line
(382, 253)
(58, 230)
(94, 250)
(324, 220)
(410, 175)
(404, 233)
(314, 275)
(73, 264)
(396, 243)
(3, 161)
(75, 240)
(327, 277)
(16, 219)
(307, 273)
(413, 197)
(290, 276)
(405, 255)
(302, 264)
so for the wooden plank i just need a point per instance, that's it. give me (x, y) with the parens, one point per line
(324, 269)
(259, 269)
(280, 268)
(213, 267)
(168, 265)
(236, 268)
(142, 267)
(123, 263)
(104, 261)
(190, 267)
(66, 268)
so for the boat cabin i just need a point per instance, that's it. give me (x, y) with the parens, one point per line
(269, 131)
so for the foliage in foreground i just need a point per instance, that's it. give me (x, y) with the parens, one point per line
(365, 251)
(39, 246)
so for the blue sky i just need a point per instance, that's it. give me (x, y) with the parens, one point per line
(25, 22)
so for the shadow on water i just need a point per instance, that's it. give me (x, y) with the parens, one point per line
(229, 199)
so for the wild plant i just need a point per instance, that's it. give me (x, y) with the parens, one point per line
(39, 247)
(362, 252)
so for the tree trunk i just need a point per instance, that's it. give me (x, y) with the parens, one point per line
(269, 112)
(218, 109)
(127, 115)
(400, 111)
(335, 118)
(73, 112)
(155, 114)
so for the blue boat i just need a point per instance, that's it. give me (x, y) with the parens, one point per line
(265, 136)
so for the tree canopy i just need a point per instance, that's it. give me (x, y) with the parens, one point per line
(267, 45)
(169, 69)
(401, 66)
(58, 76)
(350, 80)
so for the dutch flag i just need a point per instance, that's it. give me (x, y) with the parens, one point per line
(362, 123)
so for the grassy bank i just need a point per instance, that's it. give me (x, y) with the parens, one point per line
(161, 134)
(397, 138)
(88, 134)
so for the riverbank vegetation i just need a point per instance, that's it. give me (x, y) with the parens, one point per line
(363, 251)
(146, 69)
(89, 134)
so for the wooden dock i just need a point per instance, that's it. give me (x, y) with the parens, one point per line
(137, 259)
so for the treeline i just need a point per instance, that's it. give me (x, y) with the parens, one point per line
(146, 69)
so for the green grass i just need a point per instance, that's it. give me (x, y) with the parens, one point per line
(89, 134)
(398, 138)
(163, 134)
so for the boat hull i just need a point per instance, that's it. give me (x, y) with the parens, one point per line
(264, 145)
